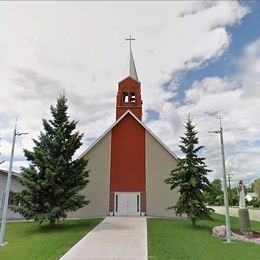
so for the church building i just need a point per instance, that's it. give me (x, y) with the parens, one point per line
(128, 163)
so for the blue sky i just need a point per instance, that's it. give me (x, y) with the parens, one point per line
(242, 34)
(224, 66)
(192, 57)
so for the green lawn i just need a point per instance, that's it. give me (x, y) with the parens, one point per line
(35, 241)
(176, 239)
(167, 239)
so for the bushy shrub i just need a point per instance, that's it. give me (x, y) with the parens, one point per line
(256, 204)
(250, 203)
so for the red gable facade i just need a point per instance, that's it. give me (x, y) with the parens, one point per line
(128, 163)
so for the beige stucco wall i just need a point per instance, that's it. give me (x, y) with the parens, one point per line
(97, 190)
(15, 186)
(159, 163)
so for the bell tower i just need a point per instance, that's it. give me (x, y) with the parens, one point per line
(129, 91)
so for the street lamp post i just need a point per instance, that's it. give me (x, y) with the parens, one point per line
(7, 189)
(228, 229)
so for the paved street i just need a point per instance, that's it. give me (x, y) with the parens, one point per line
(253, 214)
(120, 238)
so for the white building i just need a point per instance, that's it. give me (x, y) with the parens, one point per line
(15, 186)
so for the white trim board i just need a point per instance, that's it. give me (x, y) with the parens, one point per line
(140, 122)
(16, 174)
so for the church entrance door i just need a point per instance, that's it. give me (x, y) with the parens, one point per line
(127, 203)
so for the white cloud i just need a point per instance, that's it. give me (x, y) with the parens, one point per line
(250, 69)
(237, 100)
(79, 47)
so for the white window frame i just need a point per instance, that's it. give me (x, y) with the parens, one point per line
(2, 199)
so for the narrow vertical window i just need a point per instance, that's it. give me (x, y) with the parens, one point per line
(116, 203)
(2, 199)
(125, 97)
(132, 97)
(138, 203)
(11, 199)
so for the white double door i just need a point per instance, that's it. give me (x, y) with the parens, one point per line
(127, 203)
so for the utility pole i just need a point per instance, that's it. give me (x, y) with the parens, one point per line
(7, 189)
(228, 229)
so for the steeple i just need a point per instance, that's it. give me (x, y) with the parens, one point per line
(129, 90)
(131, 69)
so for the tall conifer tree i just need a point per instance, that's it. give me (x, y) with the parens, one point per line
(189, 177)
(54, 178)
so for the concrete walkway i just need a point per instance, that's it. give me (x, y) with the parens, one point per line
(253, 214)
(114, 238)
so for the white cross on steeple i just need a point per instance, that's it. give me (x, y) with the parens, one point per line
(130, 39)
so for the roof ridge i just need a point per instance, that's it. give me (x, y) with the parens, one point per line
(17, 174)
(140, 122)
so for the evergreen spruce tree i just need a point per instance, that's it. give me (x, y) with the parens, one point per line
(189, 177)
(53, 179)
